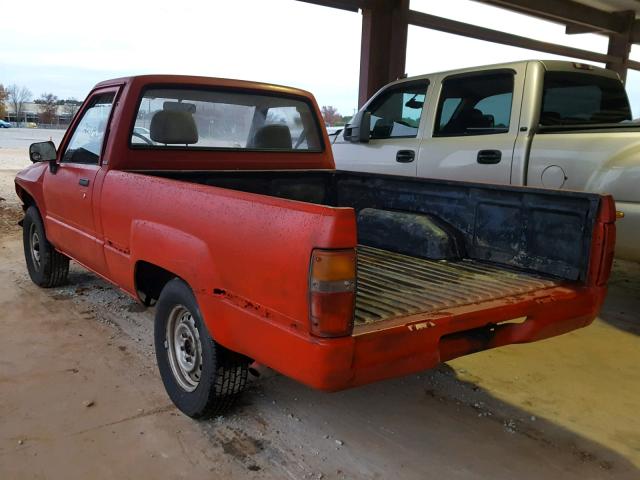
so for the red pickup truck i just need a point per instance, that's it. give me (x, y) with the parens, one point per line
(218, 201)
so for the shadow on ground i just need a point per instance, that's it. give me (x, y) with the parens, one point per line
(622, 306)
(414, 426)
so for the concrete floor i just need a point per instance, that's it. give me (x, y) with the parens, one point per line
(80, 397)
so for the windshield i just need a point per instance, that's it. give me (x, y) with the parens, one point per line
(571, 98)
(224, 119)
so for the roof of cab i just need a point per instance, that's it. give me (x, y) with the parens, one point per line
(197, 81)
(553, 65)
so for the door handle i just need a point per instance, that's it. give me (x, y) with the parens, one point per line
(489, 157)
(84, 182)
(405, 156)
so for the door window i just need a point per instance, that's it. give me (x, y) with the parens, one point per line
(396, 112)
(475, 105)
(86, 142)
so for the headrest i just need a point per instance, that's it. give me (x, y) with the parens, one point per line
(172, 126)
(273, 136)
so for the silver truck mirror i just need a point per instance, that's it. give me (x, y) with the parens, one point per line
(42, 152)
(358, 131)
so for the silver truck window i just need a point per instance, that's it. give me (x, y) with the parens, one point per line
(86, 143)
(572, 98)
(475, 105)
(396, 112)
(195, 118)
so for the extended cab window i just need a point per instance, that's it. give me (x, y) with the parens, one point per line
(475, 105)
(572, 98)
(396, 112)
(86, 143)
(207, 119)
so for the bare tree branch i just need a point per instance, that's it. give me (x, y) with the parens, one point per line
(17, 96)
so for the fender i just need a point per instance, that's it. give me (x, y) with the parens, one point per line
(620, 174)
(151, 242)
(29, 181)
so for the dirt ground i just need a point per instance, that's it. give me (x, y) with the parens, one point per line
(80, 397)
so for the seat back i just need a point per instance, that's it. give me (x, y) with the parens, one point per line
(173, 127)
(272, 137)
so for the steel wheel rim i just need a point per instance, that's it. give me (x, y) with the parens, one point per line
(34, 246)
(184, 349)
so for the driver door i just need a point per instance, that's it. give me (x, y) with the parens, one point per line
(394, 137)
(69, 191)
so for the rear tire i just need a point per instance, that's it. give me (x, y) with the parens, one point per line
(47, 267)
(201, 377)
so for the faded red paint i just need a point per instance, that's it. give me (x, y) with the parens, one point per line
(246, 256)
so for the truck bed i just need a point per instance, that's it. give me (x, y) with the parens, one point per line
(391, 285)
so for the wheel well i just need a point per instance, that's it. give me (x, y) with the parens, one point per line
(150, 280)
(27, 200)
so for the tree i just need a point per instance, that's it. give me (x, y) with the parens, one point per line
(70, 106)
(3, 98)
(48, 105)
(17, 96)
(331, 115)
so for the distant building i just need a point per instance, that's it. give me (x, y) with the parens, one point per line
(31, 112)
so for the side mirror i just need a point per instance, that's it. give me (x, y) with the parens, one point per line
(359, 129)
(44, 152)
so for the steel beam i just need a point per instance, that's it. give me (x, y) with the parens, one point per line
(566, 12)
(349, 5)
(383, 46)
(481, 33)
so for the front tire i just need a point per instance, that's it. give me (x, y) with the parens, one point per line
(47, 267)
(201, 377)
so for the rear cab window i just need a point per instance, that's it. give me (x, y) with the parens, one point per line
(194, 118)
(478, 104)
(575, 98)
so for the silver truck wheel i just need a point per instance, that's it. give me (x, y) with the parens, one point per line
(47, 267)
(202, 377)
(184, 348)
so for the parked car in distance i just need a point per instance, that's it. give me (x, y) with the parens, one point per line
(234, 222)
(4, 124)
(552, 124)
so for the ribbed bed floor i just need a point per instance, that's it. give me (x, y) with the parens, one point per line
(391, 284)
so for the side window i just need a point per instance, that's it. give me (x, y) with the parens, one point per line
(396, 113)
(573, 98)
(86, 142)
(476, 105)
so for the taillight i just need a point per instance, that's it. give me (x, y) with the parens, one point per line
(332, 292)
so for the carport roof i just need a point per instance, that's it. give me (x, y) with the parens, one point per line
(385, 24)
(582, 16)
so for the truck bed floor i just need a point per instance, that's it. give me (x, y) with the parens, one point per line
(392, 284)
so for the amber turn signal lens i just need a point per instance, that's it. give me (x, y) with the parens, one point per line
(332, 292)
(333, 265)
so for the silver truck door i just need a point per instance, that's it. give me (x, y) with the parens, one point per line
(395, 132)
(473, 133)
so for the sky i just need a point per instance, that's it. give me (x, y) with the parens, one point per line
(67, 46)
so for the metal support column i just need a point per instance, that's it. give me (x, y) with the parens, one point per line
(383, 48)
(620, 46)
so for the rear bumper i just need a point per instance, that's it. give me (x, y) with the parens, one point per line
(405, 345)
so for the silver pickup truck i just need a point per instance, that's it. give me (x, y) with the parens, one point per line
(553, 124)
